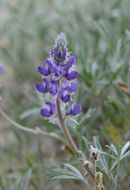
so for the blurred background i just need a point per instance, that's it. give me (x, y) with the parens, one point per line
(98, 32)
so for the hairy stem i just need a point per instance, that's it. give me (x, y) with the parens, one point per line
(94, 173)
(66, 132)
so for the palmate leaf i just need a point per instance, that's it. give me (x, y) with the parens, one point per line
(113, 149)
(125, 153)
(23, 182)
(107, 154)
(68, 172)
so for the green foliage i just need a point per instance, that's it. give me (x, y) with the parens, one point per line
(23, 182)
(69, 172)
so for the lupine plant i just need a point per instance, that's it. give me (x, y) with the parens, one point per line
(58, 74)
(99, 169)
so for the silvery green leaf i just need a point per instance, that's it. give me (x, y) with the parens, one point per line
(102, 159)
(87, 143)
(29, 113)
(61, 176)
(125, 148)
(88, 115)
(73, 169)
(22, 184)
(113, 166)
(94, 68)
(128, 33)
(117, 52)
(101, 28)
(113, 149)
(69, 172)
(126, 155)
(107, 154)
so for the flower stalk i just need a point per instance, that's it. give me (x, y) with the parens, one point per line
(66, 132)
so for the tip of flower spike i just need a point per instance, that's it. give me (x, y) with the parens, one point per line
(61, 41)
(59, 51)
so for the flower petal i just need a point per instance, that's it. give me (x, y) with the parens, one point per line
(73, 87)
(52, 107)
(44, 71)
(53, 88)
(72, 59)
(50, 66)
(66, 98)
(59, 54)
(57, 69)
(72, 75)
(45, 113)
(64, 95)
(75, 109)
(40, 87)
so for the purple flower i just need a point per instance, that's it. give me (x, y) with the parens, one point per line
(2, 70)
(72, 59)
(53, 89)
(57, 69)
(48, 110)
(69, 64)
(43, 70)
(43, 87)
(58, 72)
(75, 109)
(59, 55)
(64, 95)
(70, 86)
(72, 75)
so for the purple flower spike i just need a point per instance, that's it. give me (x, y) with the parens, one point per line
(44, 71)
(48, 110)
(75, 109)
(2, 70)
(72, 75)
(57, 73)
